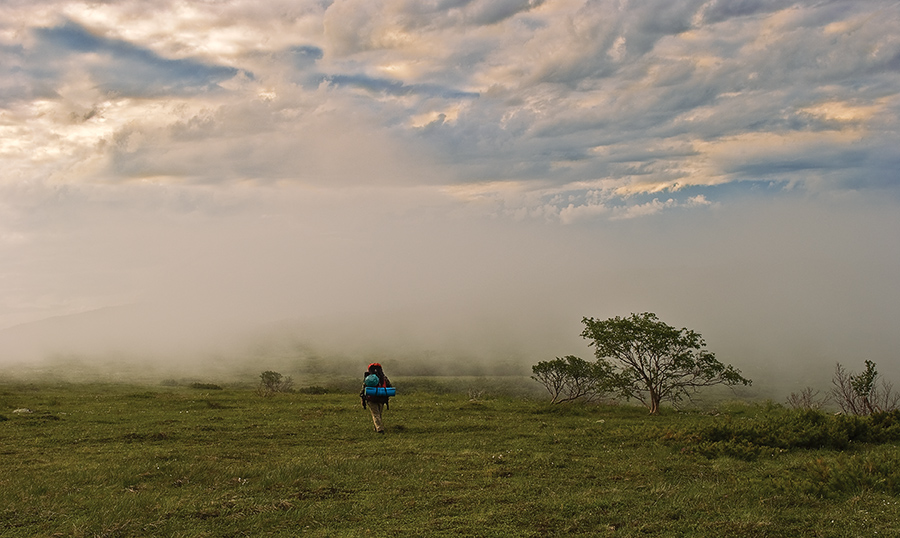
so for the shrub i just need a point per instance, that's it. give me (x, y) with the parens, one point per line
(861, 394)
(315, 389)
(271, 383)
(773, 434)
(205, 386)
(807, 399)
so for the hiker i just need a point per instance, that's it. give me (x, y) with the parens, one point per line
(375, 403)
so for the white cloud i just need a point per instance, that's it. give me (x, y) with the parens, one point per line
(549, 90)
(572, 213)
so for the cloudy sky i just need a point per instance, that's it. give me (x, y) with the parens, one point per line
(473, 173)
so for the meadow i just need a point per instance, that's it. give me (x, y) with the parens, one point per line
(115, 460)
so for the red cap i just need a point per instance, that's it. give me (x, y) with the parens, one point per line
(374, 364)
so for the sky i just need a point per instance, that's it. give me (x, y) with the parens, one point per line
(452, 177)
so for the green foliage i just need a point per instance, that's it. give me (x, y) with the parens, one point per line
(314, 389)
(271, 383)
(651, 361)
(860, 394)
(776, 433)
(864, 383)
(205, 386)
(572, 378)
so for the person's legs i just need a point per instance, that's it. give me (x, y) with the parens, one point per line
(376, 408)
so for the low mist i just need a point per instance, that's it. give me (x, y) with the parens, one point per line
(306, 282)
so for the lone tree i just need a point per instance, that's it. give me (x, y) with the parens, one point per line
(652, 361)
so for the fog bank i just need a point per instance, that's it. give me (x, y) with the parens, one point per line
(780, 289)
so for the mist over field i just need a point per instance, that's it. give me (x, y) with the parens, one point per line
(214, 190)
(781, 297)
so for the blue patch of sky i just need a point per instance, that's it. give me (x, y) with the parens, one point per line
(129, 69)
(395, 87)
(532, 23)
(724, 10)
(726, 192)
(838, 160)
(733, 190)
(446, 5)
(305, 56)
(737, 190)
(20, 78)
(893, 64)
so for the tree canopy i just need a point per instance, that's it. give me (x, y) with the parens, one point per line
(572, 378)
(651, 361)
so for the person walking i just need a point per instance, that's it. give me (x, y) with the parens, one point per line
(374, 377)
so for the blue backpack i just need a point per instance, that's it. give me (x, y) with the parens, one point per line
(373, 386)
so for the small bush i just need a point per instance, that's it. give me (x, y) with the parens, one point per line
(315, 389)
(271, 383)
(862, 394)
(205, 386)
(807, 398)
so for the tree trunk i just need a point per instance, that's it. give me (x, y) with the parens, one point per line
(867, 405)
(654, 403)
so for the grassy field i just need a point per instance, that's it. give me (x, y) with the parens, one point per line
(119, 460)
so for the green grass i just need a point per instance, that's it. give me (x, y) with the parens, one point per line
(116, 460)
